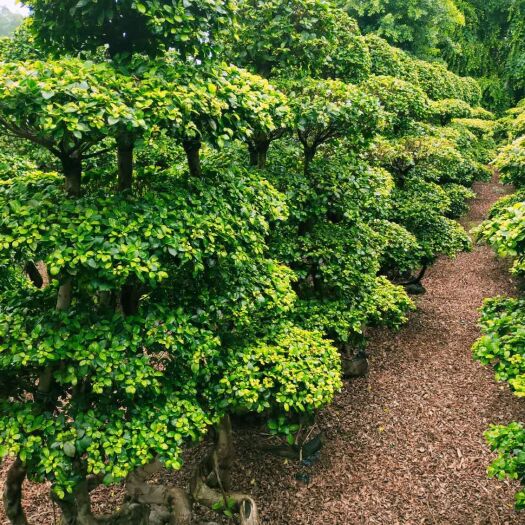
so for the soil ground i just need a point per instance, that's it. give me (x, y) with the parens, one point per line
(405, 445)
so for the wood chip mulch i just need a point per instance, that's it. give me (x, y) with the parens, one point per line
(405, 445)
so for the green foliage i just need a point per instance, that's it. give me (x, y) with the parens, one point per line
(415, 25)
(402, 101)
(459, 199)
(390, 61)
(422, 208)
(480, 127)
(20, 45)
(510, 162)
(491, 48)
(449, 108)
(503, 341)
(148, 26)
(509, 442)
(312, 37)
(402, 251)
(324, 110)
(68, 106)
(333, 243)
(432, 77)
(221, 103)
(295, 370)
(505, 233)
(440, 83)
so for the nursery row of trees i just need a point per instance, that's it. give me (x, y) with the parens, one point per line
(503, 319)
(484, 39)
(204, 205)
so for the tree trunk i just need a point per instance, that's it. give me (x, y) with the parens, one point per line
(192, 149)
(309, 154)
(125, 146)
(222, 457)
(258, 149)
(13, 493)
(76, 510)
(72, 168)
(129, 299)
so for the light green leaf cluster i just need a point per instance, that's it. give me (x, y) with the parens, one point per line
(509, 442)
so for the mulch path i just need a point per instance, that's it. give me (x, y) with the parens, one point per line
(405, 445)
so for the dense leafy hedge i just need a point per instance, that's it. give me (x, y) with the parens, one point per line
(502, 344)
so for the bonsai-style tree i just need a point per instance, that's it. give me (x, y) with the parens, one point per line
(403, 102)
(154, 293)
(146, 26)
(326, 110)
(314, 37)
(121, 355)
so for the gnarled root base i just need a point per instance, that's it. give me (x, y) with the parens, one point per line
(168, 505)
(211, 498)
(76, 510)
(211, 479)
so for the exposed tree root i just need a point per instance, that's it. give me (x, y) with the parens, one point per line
(76, 510)
(171, 505)
(211, 480)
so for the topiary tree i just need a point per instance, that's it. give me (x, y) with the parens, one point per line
(403, 102)
(510, 162)
(148, 26)
(148, 288)
(325, 110)
(333, 242)
(155, 291)
(313, 37)
(427, 171)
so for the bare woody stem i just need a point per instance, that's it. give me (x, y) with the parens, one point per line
(192, 149)
(125, 146)
(13, 493)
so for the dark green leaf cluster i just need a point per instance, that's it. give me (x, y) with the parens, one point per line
(145, 26)
(313, 37)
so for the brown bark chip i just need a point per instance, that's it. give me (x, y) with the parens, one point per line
(404, 446)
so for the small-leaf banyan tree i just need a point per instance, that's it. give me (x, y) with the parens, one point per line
(156, 295)
(331, 239)
(326, 110)
(313, 51)
(313, 36)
